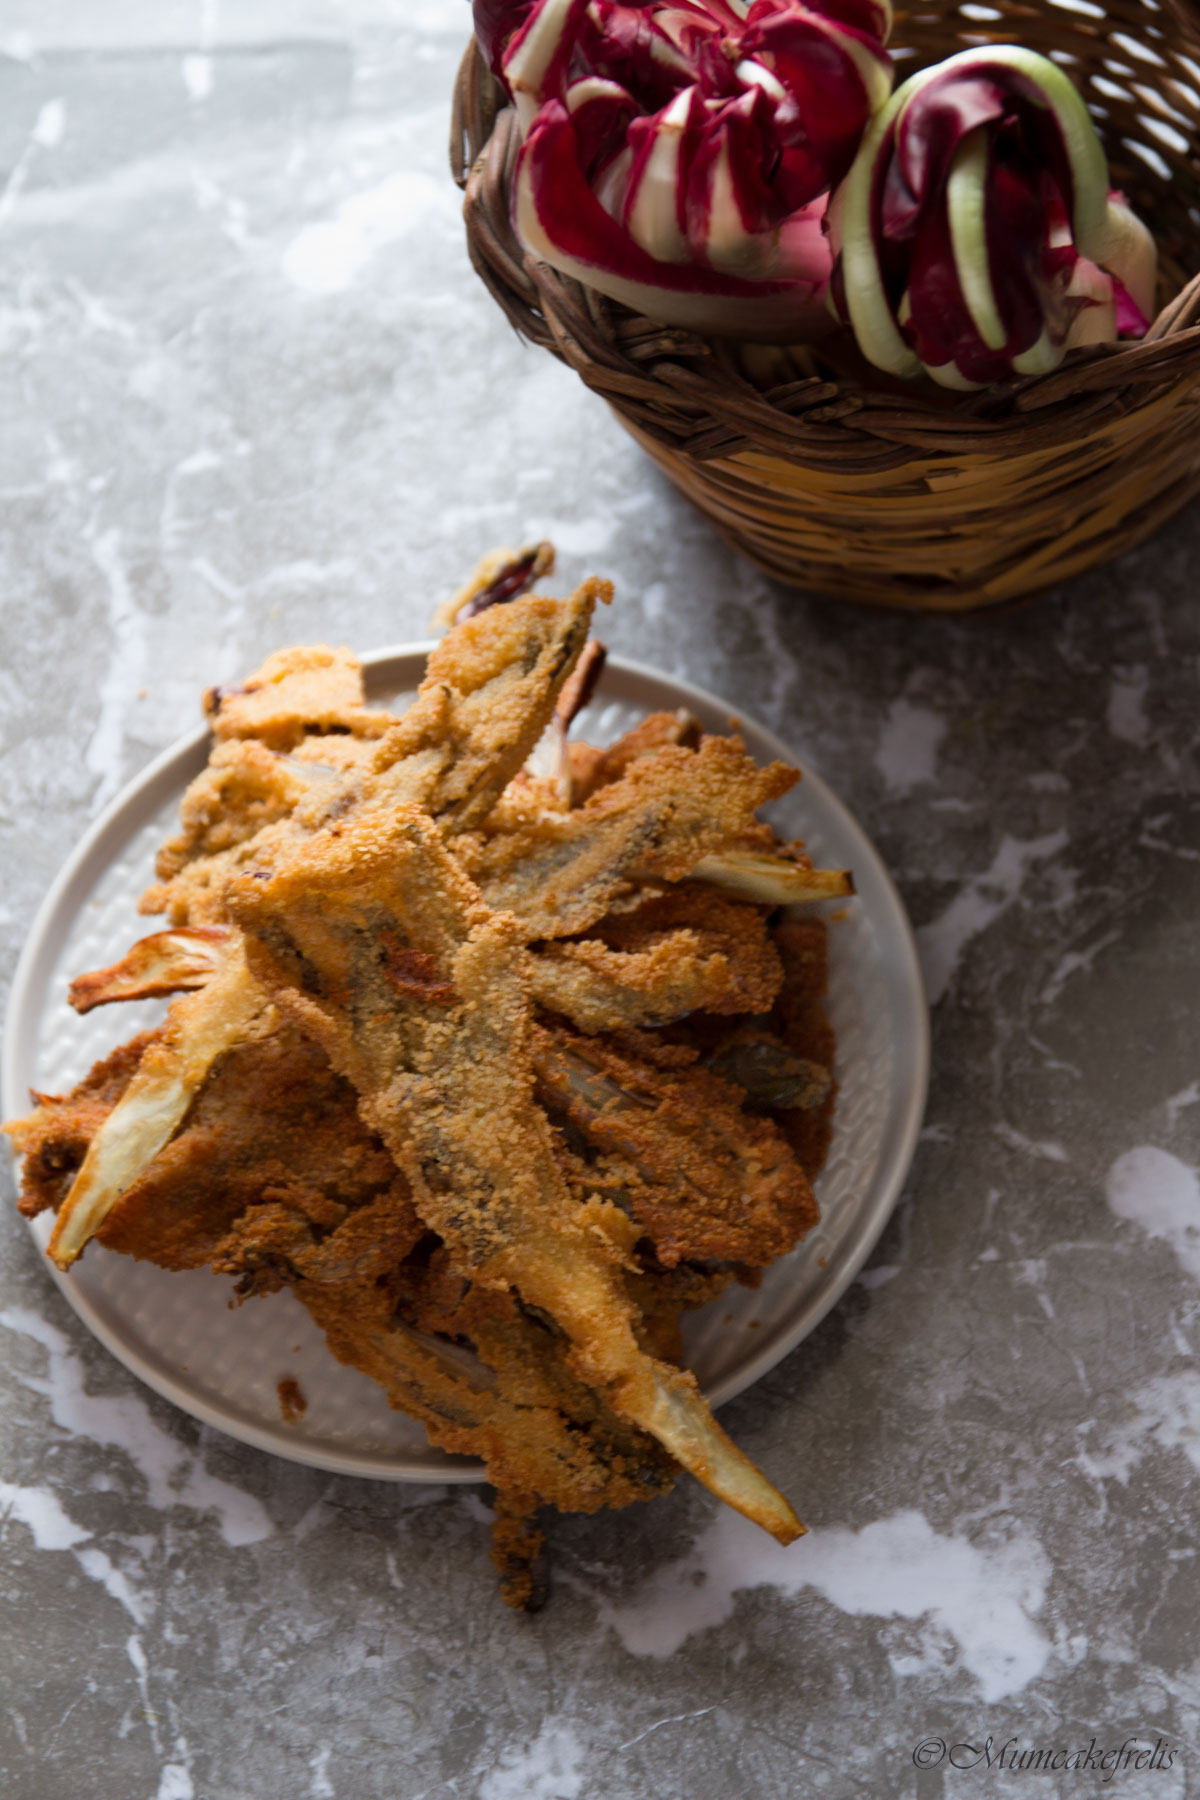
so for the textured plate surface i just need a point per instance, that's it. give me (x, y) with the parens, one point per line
(222, 1363)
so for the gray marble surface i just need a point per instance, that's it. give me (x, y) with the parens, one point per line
(252, 394)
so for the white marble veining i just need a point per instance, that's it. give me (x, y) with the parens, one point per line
(1162, 1195)
(977, 1605)
(172, 1475)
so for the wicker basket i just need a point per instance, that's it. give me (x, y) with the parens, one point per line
(902, 499)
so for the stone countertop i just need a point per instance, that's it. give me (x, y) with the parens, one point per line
(252, 394)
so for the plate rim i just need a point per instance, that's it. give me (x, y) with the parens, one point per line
(907, 1002)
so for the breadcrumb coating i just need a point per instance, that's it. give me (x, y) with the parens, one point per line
(459, 1063)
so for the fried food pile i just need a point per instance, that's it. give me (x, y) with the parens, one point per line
(497, 1049)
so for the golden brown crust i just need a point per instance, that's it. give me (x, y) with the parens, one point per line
(310, 689)
(54, 1138)
(273, 1124)
(528, 1447)
(274, 1179)
(517, 1541)
(683, 951)
(295, 749)
(704, 1180)
(489, 691)
(167, 962)
(646, 738)
(561, 873)
(498, 1219)
(449, 1088)
(245, 788)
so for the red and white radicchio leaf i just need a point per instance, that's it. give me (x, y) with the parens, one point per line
(976, 235)
(678, 156)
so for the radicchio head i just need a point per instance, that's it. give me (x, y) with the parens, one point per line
(976, 234)
(678, 156)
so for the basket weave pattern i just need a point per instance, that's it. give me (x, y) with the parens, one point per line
(905, 499)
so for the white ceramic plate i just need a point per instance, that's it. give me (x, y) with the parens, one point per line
(223, 1364)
